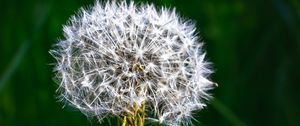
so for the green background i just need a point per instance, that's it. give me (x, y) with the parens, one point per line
(254, 46)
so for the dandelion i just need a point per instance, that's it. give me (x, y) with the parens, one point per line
(132, 62)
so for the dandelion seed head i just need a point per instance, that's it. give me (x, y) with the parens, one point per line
(117, 55)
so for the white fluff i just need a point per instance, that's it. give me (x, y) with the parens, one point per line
(117, 55)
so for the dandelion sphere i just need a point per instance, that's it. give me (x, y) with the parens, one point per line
(117, 55)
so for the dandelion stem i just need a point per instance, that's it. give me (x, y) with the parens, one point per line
(138, 117)
(124, 121)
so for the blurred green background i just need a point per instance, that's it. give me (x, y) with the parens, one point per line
(254, 46)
